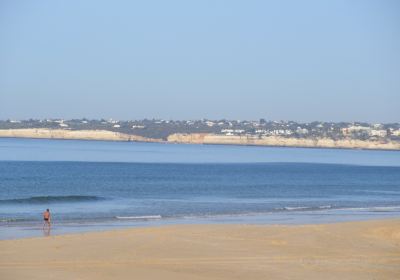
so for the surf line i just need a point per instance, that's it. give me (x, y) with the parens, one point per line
(152, 217)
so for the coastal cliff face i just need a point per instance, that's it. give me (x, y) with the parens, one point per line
(73, 134)
(205, 138)
(200, 138)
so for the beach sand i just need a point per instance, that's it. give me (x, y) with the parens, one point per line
(354, 250)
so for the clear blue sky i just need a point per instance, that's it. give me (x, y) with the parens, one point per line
(280, 60)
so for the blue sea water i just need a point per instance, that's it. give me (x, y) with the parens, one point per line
(91, 185)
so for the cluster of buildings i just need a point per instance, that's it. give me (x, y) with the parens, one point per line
(159, 128)
(375, 130)
(266, 132)
(339, 130)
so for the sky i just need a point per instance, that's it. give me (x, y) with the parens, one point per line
(310, 60)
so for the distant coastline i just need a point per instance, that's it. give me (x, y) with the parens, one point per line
(100, 135)
(276, 141)
(200, 138)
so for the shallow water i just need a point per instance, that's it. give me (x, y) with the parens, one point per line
(91, 185)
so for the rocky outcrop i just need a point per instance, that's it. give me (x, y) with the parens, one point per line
(205, 138)
(73, 134)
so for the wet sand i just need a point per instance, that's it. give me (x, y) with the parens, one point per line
(353, 250)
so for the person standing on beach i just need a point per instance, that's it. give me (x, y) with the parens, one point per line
(46, 218)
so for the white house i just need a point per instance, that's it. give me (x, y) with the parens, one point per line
(396, 132)
(379, 133)
(355, 128)
(137, 126)
(209, 123)
(300, 130)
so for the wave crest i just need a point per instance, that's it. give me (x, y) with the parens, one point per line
(51, 199)
(300, 208)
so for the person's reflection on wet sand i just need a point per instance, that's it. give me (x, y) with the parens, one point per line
(46, 231)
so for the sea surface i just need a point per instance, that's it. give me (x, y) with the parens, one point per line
(97, 185)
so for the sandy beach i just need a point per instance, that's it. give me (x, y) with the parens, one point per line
(354, 250)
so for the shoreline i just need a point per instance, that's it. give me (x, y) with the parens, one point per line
(17, 230)
(347, 250)
(277, 141)
(294, 147)
(198, 139)
(210, 224)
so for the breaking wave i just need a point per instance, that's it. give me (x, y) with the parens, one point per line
(300, 208)
(150, 217)
(51, 199)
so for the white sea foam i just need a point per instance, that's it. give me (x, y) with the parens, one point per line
(307, 208)
(150, 217)
(373, 209)
(296, 208)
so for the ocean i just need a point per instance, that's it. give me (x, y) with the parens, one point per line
(97, 185)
